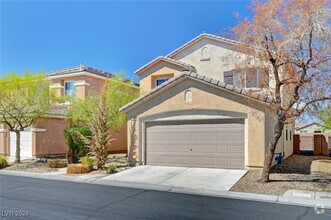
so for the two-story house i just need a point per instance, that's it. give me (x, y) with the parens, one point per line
(196, 111)
(46, 137)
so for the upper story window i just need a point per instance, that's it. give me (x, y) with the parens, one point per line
(69, 88)
(160, 81)
(248, 78)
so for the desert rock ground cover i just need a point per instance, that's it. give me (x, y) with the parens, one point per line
(299, 173)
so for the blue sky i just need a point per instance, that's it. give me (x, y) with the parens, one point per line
(109, 35)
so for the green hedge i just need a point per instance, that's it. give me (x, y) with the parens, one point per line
(76, 147)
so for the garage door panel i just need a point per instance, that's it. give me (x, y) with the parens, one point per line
(210, 149)
(223, 149)
(205, 143)
(197, 137)
(184, 137)
(210, 137)
(223, 162)
(236, 162)
(236, 149)
(184, 160)
(197, 161)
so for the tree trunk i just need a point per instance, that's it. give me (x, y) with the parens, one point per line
(271, 151)
(18, 147)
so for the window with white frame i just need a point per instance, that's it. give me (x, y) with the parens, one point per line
(69, 88)
(248, 78)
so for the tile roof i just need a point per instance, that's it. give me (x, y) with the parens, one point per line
(167, 59)
(80, 68)
(205, 79)
(59, 110)
(203, 35)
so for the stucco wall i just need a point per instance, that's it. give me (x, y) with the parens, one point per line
(204, 98)
(160, 70)
(81, 90)
(120, 142)
(52, 140)
(213, 67)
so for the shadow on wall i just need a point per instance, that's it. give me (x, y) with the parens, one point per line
(132, 156)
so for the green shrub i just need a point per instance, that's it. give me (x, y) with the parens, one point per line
(112, 168)
(3, 161)
(76, 146)
(56, 163)
(87, 162)
(78, 169)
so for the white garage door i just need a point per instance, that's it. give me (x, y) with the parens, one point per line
(26, 144)
(201, 143)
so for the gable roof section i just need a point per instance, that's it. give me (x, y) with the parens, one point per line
(166, 59)
(307, 125)
(201, 78)
(78, 69)
(201, 36)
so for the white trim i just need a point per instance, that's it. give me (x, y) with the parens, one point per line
(38, 129)
(56, 87)
(82, 84)
(77, 74)
(2, 130)
(246, 143)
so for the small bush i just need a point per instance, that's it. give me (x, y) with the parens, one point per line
(56, 163)
(78, 169)
(3, 161)
(87, 161)
(112, 168)
(76, 147)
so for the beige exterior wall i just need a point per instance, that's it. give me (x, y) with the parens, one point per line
(207, 56)
(95, 83)
(161, 70)
(52, 141)
(207, 101)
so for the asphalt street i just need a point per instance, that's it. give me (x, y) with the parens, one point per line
(32, 198)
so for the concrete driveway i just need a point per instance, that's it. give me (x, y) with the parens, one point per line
(196, 178)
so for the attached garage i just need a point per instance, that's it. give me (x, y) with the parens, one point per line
(194, 121)
(196, 143)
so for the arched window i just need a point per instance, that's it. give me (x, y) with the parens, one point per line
(205, 54)
(188, 96)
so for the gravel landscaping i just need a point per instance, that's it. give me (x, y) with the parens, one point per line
(299, 173)
(120, 160)
(31, 166)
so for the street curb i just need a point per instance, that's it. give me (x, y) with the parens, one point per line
(297, 201)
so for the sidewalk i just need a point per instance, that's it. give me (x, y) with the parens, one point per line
(317, 200)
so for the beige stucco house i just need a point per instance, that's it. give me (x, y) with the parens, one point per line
(193, 112)
(310, 128)
(46, 137)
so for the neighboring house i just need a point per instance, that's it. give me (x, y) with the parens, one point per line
(47, 136)
(310, 128)
(312, 139)
(191, 114)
